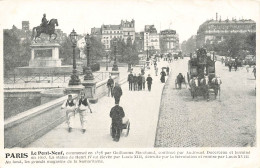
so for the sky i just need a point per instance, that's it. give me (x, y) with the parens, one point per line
(184, 16)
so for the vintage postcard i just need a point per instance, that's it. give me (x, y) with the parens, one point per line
(143, 83)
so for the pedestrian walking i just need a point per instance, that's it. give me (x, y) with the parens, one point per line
(117, 92)
(163, 74)
(135, 82)
(140, 83)
(149, 80)
(117, 114)
(167, 70)
(83, 109)
(110, 86)
(130, 80)
(230, 66)
(180, 79)
(235, 66)
(143, 82)
(69, 107)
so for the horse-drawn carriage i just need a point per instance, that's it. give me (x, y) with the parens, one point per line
(201, 75)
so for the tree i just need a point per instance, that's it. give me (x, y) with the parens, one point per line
(11, 50)
(97, 49)
(66, 51)
(250, 43)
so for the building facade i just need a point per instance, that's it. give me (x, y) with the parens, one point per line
(25, 25)
(128, 29)
(108, 32)
(218, 30)
(169, 41)
(151, 38)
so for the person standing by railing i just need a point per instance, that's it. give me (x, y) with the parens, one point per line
(110, 86)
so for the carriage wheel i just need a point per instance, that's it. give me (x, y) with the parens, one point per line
(128, 129)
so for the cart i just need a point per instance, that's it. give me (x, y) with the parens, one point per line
(125, 127)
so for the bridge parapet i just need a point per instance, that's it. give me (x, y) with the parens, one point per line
(28, 126)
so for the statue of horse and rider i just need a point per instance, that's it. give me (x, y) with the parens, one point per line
(45, 27)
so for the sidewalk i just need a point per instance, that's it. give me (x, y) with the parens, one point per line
(141, 107)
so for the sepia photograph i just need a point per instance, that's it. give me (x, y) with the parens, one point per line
(129, 74)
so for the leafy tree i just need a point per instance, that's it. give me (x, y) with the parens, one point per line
(66, 51)
(97, 49)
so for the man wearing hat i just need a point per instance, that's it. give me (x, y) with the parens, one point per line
(117, 92)
(110, 86)
(130, 80)
(149, 80)
(117, 114)
(69, 106)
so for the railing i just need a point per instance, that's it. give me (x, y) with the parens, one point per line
(48, 77)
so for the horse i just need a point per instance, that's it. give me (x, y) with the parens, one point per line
(216, 86)
(49, 29)
(205, 87)
(194, 84)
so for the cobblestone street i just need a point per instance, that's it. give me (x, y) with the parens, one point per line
(228, 122)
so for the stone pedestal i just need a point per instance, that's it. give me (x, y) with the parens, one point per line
(90, 90)
(49, 59)
(73, 89)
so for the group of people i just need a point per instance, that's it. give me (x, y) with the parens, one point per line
(137, 83)
(71, 107)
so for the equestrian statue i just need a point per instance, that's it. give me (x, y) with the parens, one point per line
(45, 27)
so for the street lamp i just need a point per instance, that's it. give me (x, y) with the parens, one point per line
(147, 59)
(74, 77)
(106, 61)
(88, 72)
(115, 67)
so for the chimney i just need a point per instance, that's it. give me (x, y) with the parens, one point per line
(216, 16)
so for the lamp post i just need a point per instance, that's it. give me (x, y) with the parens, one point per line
(88, 72)
(147, 59)
(74, 77)
(106, 61)
(115, 67)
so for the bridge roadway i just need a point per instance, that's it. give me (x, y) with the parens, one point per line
(226, 122)
(141, 107)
